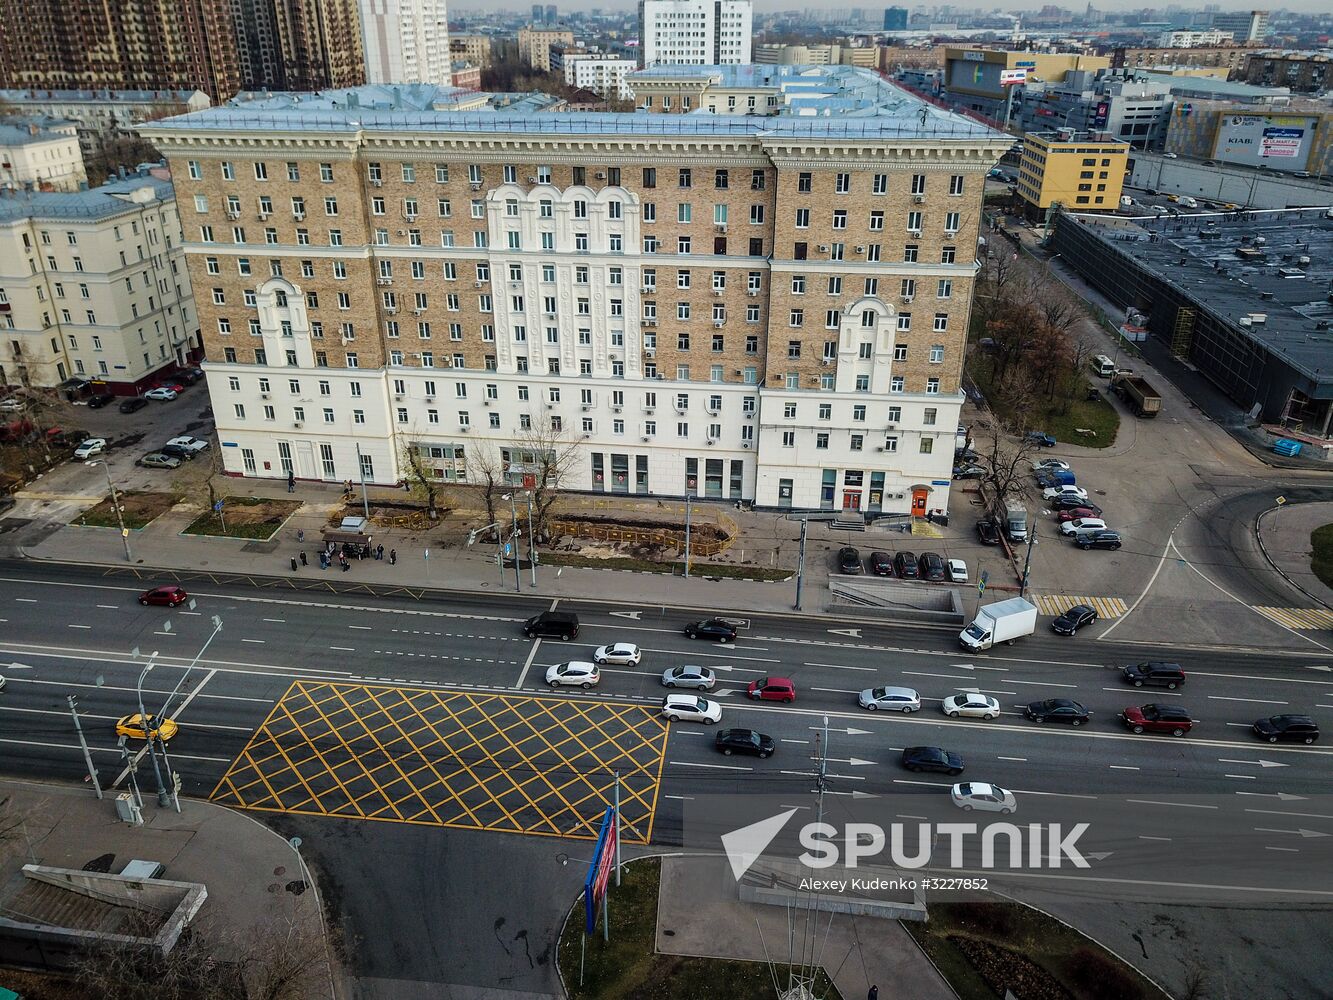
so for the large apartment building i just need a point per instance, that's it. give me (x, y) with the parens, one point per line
(406, 41)
(772, 309)
(94, 283)
(695, 32)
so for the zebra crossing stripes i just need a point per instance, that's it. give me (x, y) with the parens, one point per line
(1058, 604)
(1299, 618)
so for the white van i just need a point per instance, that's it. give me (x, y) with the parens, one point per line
(1103, 366)
(1126, 201)
(1187, 202)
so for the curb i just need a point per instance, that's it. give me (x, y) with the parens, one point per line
(1263, 549)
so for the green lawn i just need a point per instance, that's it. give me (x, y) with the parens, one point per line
(628, 968)
(1100, 416)
(244, 517)
(1321, 556)
(674, 568)
(985, 948)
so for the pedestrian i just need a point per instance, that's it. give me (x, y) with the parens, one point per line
(873, 994)
(393, 557)
(345, 564)
(323, 559)
(300, 534)
(303, 559)
(379, 551)
(291, 482)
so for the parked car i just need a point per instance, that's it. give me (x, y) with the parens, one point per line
(1041, 439)
(161, 393)
(1157, 719)
(1074, 513)
(624, 653)
(1074, 619)
(190, 375)
(743, 741)
(933, 759)
(89, 448)
(1067, 490)
(1044, 464)
(1057, 710)
(166, 596)
(849, 560)
(892, 699)
(1081, 526)
(988, 533)
(969, 795)
(133, 404)
(1098, 540)
(971, 706)
(563, 625)
(1287, 729)
(1071, 502)
(711, 628)
(931, 565)
(1154, 673)
(157, 460)
(772, 689)
(957, 571)
(101, 399)
(192, 444)
(135, 727)
(881, 564)
(176, 451)
(7, 502)
(904, 564)
(688, 676)
(969, 471)
(172, 384)
(575, 673)
(691, 708)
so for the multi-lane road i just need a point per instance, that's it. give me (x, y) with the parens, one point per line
(435, 710)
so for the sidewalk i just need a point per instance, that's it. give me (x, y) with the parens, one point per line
(698, 905)
(1285, 537)
(244, 865)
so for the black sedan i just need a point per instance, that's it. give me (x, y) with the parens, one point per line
(1287, 729)
(132, 404)
(881, 564)
(969, 471)
(1074, 619)
(988, 533)
(100, 400)
(1057, 710)
(744, 741)
(849, 560)
(1066, 503)
(932, 759)
(711, 628)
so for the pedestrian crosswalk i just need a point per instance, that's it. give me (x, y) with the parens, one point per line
(1057, 604)
(1299, 618)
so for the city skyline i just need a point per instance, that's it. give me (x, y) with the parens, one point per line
(773, 6)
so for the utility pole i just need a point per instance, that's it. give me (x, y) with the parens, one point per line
(361, 467)
(532, 543)
(800, 564)
(687, 535)
(162, 799)
(513, 541)
(120, 519)
(87, 756)
(616, 802)
(1027, 562)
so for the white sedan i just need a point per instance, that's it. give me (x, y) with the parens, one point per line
(687, 676)
(891, 699)
(192, 444)
(575, 673)
(969, 795)
(91, 447)
(1050, 465)
(957, 571)
(1053, 492)
(161, 392)
(625, 653)
(972, 706)
(691, 708)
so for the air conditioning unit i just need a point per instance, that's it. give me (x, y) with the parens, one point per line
(532, 180)
(711, 441)
(909, 297)
(823, 248)
(649, 410)
(474, 187)
(402, 232)
(721, 227)
(465, 429)
(233, 215)
(918, 198)
(745, 444)
(648, 288)
(752, 291)
(430, 399)
(410, 216)
(860, 249)
(650, 322)
(264, 215)
(384, 281)
(647, 439)
(298, 423)
(377, 182)
(265, 395)
(600, 175)
(650, 352)
(879, 448)
(417, 312)
(298, 215)
(951, 232)
(826, 361)
(398, 396)
(478, 284)
(913, 232)
(391, 310)
(719, 291)
(749, 414)
(615, 409)
(585, 409)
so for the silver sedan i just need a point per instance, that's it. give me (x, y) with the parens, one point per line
(699, 678)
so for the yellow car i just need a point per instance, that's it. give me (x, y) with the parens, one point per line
(133, 727)
(1173, 197)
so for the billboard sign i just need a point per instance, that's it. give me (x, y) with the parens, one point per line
(1009, 77)
(599, 869)
(1279, 142)
(1102, 113)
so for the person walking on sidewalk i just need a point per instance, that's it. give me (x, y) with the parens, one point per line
(393, 557)
(343, 562)
(379, 551)
(291, 482)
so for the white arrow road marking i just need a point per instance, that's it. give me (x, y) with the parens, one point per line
(854, 761)
(1302, 832)
(1179, 805)
(19, 666)
(1310, 666)
(854, 633)
(634, 615)
(850, 731)
(1259, 763)
(1280, 796)
(1253, 701)
(865, 795)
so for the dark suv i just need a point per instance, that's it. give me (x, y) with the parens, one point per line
(988, 533)
(881, 564)
(552, 625)
(904, 564)
(932, 566)
(1098, 540)
(1154, 674)
(132, 404)
(1287, 728)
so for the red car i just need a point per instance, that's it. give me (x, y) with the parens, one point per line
(166, 596)
(1091, 510)
(1158, 719)
(773, 689)
(171, 384)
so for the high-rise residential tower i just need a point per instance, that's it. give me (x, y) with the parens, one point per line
(406, 41)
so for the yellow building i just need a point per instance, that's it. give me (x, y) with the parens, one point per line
(1073, 169)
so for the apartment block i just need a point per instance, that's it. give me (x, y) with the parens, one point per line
(534, 45)
(601, 75)
(475, 49)
(406, 41)
(1227, 57)
(772, 310)
(695, 32)
(1301, 72)
(95, 283)
(318, 43)
(44, 157)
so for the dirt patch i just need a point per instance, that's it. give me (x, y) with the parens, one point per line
(244, 517)
(138, 509)
(403, 515)
(42, 985)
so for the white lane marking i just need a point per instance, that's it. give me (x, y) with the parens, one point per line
(343, 649)
(1178, 805)
(259, 641)
(681, 798)
(1018, 759)
(1021, 791)
(1256, 701)
(1256, 763)
(1144, 836)
(527, 665)
(1049, 684)
(25, 600)
(1283, 812)
(112, 750)
(78, 626)
(1123, 767)
(112, 687)
(1291, 850)
(1247, 777)
(109, 607)
(720, 767)
(1169, 694)
(952, 677)
(806, 742)
(835, 690)
(840, 666)
(363, 628)
(690, 732)
(276, 621)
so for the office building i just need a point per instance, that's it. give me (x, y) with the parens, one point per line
(552, 13)
(1134, 108)
(1288, 137)
(1245, 26)
(895, 19)
(1078, 171)
(695, 32)
(94, 283)
(772, 309)
(534, 45)
(406, 41)
(102, 116)
(43, 157)
(538, 13)
(128, 45)
(832, 54)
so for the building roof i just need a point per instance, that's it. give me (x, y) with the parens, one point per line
(837, 102)
(112, 198)
(19, 135)
(1288, 283)
(100, 96)
(1211, 87)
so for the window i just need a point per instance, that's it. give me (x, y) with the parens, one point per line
(796, 317)
(650, 177)
(880, 184)
(686, 177)
(951, 222)
(956, 184)
(927, 445)
(803, 182)
(918, 184)
(803, 218)
(720, 180)
(196, 173)
(840, 218)
(910, 252)
(261, 171)
(326, 173)
(821, 440)
(941, 322)
(948, 255)
(789, 439)
(944, 288)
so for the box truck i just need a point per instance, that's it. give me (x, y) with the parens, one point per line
(1015, 522)
(1003, 621)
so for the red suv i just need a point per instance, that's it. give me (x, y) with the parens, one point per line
(773, 689)
(1158, 719)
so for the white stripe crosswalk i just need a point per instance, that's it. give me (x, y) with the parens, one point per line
(1299, 618)
(1057, 604)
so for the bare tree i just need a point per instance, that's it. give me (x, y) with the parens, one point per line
(420, 484)
(485, 470)
(1007, 463)
(552, 455)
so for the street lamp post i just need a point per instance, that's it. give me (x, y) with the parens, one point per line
(532, 543)
(688, 497)
(146, 722)
(513, 539)
(361, 468)
(120, 519)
